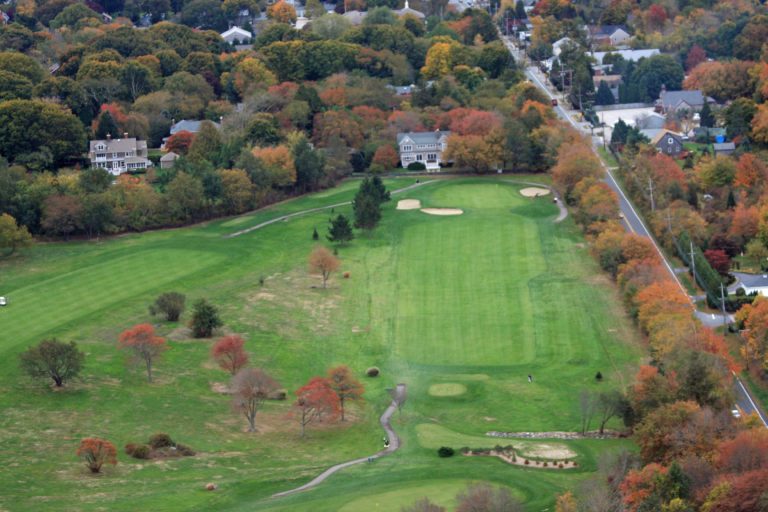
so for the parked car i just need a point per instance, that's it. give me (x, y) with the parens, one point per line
(3, 301)
(554, 102)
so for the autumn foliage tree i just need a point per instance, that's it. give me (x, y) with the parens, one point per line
(145, 346)
(250, 387)
(323, 262)
(282, 12)
(315, 400)
(346, 386)
(575, 161)
(96, 452)
(180, 142)
(386, 157)
(229, 353)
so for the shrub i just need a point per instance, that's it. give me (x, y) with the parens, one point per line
(170, 304)
(140, 451)
(445, 451)
(526, 462)
(346, 275)
(464, 449)
(372, 372)
(598, 376)
(416, 166)
(545, 464)
(184, 450)
(560, 465)
(130, 448)
(160, 440)
(280, 394)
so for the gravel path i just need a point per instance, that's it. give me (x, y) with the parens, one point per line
(560, 205)
(313, 210)
(394, 444)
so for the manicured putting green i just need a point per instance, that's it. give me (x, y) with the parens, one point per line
(447, 389)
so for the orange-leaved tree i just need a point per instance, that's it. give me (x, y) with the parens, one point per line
(96, 452)
(144, 344)
(282, 12)
(322, 261)
(228, 351)
(346, 386)
(315, 400)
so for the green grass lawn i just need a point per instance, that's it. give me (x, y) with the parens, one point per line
(466, 306)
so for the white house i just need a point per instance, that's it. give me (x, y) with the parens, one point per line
(119, 155)
(407, 10)
(557, 46)
(628, 55)
(424, 147)
(236, 35)
(609, 35)
(752, 283)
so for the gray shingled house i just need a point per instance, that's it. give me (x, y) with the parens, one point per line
(424, 147)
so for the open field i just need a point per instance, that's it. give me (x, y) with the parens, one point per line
(467, 305)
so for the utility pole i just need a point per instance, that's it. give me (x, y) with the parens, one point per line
(650, 189)
(693, 264)
(722, 305)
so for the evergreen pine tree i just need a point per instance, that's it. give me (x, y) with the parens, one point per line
(315, 236)
(367, 211)
(340, 230)
(520, 10)
(706, 117)
(604, 95)
(107, 126)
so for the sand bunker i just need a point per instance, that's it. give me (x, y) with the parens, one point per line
(408, 204)
(534, 191)
(442, 211)
(447, 389)
(548, 451)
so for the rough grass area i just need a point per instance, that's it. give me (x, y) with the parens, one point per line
(475, 303)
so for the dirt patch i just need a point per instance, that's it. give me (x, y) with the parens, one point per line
(535, 191)
(520, 460)
(220, 387)
(447, 389)
(547, 451)
(408, 204)
(442, 211)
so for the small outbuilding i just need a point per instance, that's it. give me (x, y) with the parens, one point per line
(168, 160)
(237, 35)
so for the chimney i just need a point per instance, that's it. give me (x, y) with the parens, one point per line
(125, 135)
(109, 136)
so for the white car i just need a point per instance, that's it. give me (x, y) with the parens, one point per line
(3, 301)
(736, 413)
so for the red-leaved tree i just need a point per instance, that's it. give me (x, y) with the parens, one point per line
(346, 386)
(144, 344)
(719, 260)
(315, 400)
(96, 452)
(179, 142)
(229, 353)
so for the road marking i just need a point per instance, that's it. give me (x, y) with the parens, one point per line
(749, 397)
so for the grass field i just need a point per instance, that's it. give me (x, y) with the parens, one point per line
(466, 305)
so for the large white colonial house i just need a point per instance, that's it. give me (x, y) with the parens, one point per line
(424, 147)
(119, 155)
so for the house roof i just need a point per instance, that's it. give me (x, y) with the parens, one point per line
(119, 145)
(671, 99)
(752, 280)
(137, 160)
(633, 55)
(666, 133)
(237, 32)
(423, 137)
(169, 157)
(724, 147)
(609, 79)
(652, 121)
(651, 133)
(356, 17)
(191, 126)
(606, 30)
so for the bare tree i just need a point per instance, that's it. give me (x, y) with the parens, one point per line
(484, 498)
(321, 260)
(423, 505)
(608, 405)
(250, 387)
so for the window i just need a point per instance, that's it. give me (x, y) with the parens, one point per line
(407, 148)
(419, 157)
(670, 141)
(431, 157)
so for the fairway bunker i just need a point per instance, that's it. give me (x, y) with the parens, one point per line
(447, 389)
(534, 191)
(442, 211)
(408, 204)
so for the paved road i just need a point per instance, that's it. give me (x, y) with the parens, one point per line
(394, 444)
(633, 222)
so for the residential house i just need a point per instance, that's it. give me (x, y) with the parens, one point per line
(609, 35)
(236, 35)
(355, 17)
(168, 160)
(671, 101)
(186, 125)
(119, 155)
(407, 10)
(628, 55)
(301, 22)
(724, 148)
(613, 82)
(652, 121)
(668, 142)
(557, 46)
(753, 283)
(424, 147)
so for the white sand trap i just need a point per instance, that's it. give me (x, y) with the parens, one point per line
(548, 451)
(442, 211)
(534, 191)
(408, 204)
(447, 389)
